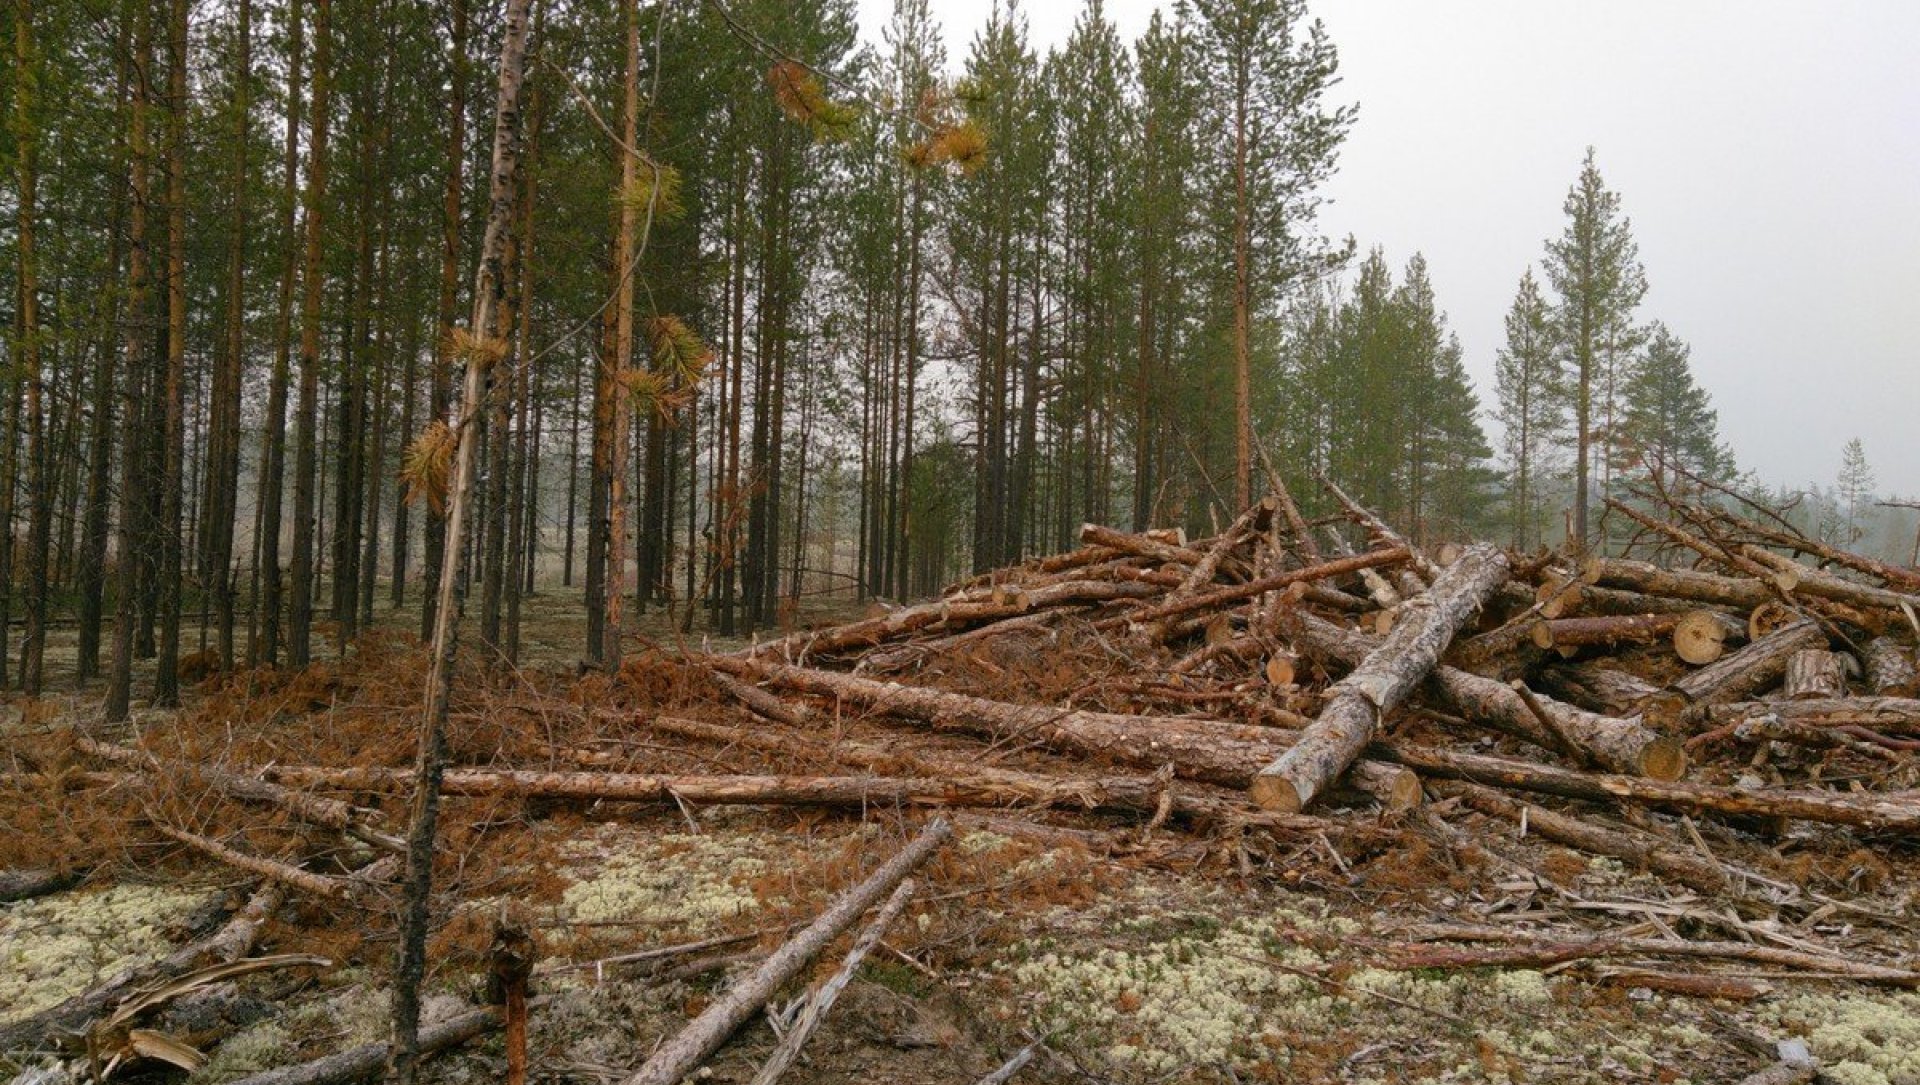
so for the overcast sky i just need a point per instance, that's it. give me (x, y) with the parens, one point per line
(1767, 153)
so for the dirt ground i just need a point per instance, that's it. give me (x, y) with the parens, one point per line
(1138, 955)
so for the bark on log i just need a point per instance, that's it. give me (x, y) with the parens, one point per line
(1744, 593)
(1896, 715)
(1808, 580)
(1383, 533)
(1502, 654)
(1144, 545)
(1606, 690)
(1214, 751)
(747, 790)
(1701, 637)
(1750, 670)
(27, 884)
(1623, 745)
(1889, 668)
(1588, 600)
(1566, 634)
(825, 995)
(368, 1060)
(1897, 811)
(1379, 683)
(1678, 864)
(703, 1036)
(1813, 674)
(1519, 949)
(1220, 597)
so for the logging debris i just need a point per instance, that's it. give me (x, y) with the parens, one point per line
(1235, 788)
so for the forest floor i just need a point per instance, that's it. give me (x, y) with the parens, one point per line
(1140, 953)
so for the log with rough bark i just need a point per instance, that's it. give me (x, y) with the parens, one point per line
(306, 881)
(27, 884)
(1744, 593)
(1380, 683)
(1813, 674)
(1523, 949)
(1382, 533)
(1219, 597)
(824, 996)
(1606, 690)
(1143, 545)
(1897, 577)
(1889, 668)
(1701, 637)
(1213, 751)
(1748, 671)
(1892, 811)
(1896, 715)
(1566, 634)
(1624, 745)
(1679, 863)
(744, 790)
(368, 1060)
(684, 1052)
(1569, 598)
(1504, 653)
(1806, 580)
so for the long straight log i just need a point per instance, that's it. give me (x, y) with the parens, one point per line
(1213, 600)
(1214, 751)
(1897, 811)
(1748, 671)
(1807, 580)
(1524, 949)
(1603, 630)
(1683, 864)
(1379, 683)
(747, 790)
(684, 1052)
(1640, 576)
(1623, 745)
(1896, 576)
(1897, 715)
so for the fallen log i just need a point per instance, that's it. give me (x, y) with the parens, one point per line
(306, 881)
(1794, 577)
(1813, 674)
(1214, 751)
(746, 790)
(1607, 690)
(368, 1060)
(1624, 745)
(1750, 670)
(685, 1051)
(1680, 864)
(1744, 593)
(1892, 811)
(1896, 576)
(1899, 715)
(1701, 637)
(1526, 950)
(1889, 668)
(1220, 597)
(1379, 683)
(824, 996)
(27, 884)
(1566, 634)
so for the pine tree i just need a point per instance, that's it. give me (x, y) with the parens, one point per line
(1532, 396)
(1855, 489)
(1274, 137)
(1668, 419)
(1594, 266)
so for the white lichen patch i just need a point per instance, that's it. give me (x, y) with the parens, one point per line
(695, 882)
(352, 1016)
(1860, 1038)
(55, 947)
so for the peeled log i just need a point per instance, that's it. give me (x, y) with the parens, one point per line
(1813, 674)
(1701, 636)
(1623, 745)
(1380, 683)
(1889, 668)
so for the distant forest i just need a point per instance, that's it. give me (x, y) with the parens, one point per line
(780, 316)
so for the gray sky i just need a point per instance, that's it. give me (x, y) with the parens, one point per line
(1768, 154)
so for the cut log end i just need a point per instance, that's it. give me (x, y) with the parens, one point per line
(1282, 669)
(1275, 794)
(1557, 597)
(1702, 636)
(1664, 759)
(1768, 617)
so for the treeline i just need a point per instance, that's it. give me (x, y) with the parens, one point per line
(783, 314)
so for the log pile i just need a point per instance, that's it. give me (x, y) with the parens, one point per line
(1218, 703)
